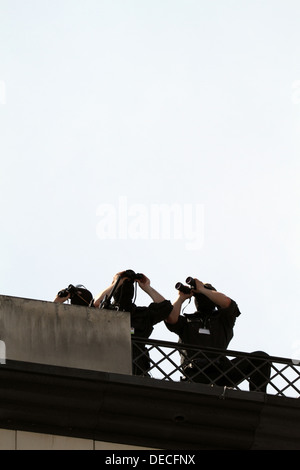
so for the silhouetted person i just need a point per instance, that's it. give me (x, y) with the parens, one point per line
(211, 326)
(142, 319)
(78, 295)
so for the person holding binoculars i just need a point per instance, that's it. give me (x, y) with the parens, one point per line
(211, 327)
(78, 295)
(120, 295)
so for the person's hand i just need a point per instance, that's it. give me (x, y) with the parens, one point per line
(183, 297)
(144, 283)
(199, 286)
(61, 300)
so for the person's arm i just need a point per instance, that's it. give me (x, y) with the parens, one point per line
(61, 300)
(144, 284)
(221, 300)
(177, 304)
(98, 299)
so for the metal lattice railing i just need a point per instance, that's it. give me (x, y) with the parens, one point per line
(242, 371)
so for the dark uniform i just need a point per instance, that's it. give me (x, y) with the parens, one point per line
(142, 321)
(215, 330)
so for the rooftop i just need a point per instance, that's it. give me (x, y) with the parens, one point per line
(45, 388)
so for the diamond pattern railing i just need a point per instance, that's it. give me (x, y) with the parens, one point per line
(171, 361)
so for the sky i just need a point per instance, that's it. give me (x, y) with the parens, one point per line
(161, 136)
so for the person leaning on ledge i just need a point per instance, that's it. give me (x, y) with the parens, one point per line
(78, 295)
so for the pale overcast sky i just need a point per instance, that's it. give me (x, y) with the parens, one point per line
(113, 109)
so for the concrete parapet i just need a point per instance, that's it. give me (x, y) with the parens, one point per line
(65, 335)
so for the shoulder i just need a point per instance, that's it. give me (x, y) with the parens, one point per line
(178, 326)
(232, 309)
(156, 311)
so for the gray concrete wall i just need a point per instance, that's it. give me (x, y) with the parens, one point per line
(65, 335)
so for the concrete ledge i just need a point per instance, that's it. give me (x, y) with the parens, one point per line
(65, 335)
(143, 412)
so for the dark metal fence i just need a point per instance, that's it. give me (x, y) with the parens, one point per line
(242, 371)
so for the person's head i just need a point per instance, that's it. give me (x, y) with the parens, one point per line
(81, 296)
(203, 303)
(123, 296)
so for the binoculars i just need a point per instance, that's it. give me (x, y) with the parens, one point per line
(132, 275)
(69, 290)
(186, 289)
